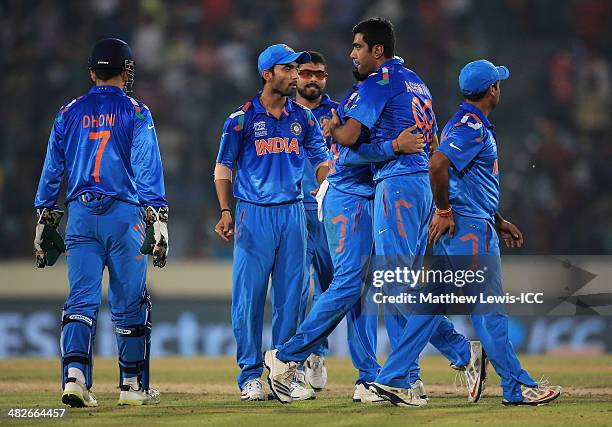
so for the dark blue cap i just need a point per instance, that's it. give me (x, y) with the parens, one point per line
(477, 76)
(110, 53)
(280, 54)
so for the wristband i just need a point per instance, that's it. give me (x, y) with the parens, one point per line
(445, 213)
(226, 210)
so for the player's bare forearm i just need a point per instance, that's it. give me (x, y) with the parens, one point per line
(433, 147)
(348, 133)
(498, 218)
(322, 172)
(225, 226)
(224, 193)
(438, 179)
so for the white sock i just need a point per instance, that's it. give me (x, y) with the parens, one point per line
(76, 373)
(132, 382)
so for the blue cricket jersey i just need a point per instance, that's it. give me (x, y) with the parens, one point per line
(105, 142)
(468, 140)
(390, 100)
(350, 172)
(309, 181)
(269, 153)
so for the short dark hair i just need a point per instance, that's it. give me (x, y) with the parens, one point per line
(106, 74)
(479, 96)
(263, 81)
(317, 57)
(377, 31)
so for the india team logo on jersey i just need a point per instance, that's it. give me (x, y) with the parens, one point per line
(277, 145)
(296, 128)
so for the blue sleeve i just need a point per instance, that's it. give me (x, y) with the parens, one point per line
(363, 154)
(146, 162)
(370, 102)
(229, 146)
(314, 143)
(53, 170)
(463, 143)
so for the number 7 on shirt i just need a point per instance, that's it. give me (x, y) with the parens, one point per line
(105, 136)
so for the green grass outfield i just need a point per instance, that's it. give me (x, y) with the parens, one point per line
(201, 391)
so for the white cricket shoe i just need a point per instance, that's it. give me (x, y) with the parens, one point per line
(476, 372)
(299, 391)
(398, 396)
(362, 394)
(542, 394)
(132, 394)
(280, 376)
(75, 392)
(419, 389)
(316, 372)
(253, 390)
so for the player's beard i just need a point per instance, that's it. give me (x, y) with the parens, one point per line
(358, 76)
(311, 95)
(288, 90)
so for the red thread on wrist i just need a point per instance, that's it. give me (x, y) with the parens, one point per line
(445, 213)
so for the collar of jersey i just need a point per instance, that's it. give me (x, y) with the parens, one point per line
(396, 60)
(472, 109)
(325, 102)
(260, 109)
(101, 89)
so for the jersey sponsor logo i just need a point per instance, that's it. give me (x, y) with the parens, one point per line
(295, 128)
(277, 145)
(260, 128)
(99, 121)
(150, 127)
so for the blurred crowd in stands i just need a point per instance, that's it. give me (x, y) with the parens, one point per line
(196, 62)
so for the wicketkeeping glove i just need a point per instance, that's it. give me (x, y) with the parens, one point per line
(48, 243)
(156, 235)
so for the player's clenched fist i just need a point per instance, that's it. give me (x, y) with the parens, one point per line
(408, 142)
(225, 226)
(329, 124)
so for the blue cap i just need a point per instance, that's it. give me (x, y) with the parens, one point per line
(280, 54)
(477, 76)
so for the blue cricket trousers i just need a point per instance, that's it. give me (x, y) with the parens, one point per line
(402, 211)
(317, 255)
(477, 237)
(104, 232)
(270, 241)
(348, 225)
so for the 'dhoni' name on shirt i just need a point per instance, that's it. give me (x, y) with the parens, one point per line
(98, 121)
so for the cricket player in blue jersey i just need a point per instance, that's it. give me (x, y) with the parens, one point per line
(465, 182)
(390, 99)
(312, 78)
(104, 142)
(345, 203)
(267, 141)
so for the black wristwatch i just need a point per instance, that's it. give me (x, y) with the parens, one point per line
(226, 210)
